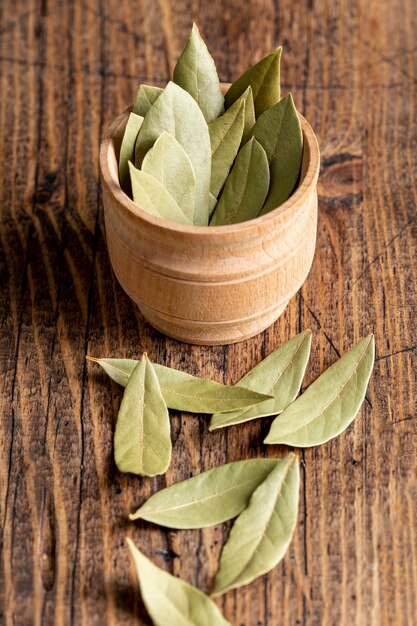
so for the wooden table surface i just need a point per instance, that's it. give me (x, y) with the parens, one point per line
(67, 68)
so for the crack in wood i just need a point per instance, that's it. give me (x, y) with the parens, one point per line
(384, 249)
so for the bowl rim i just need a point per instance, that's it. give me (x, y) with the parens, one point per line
(112, 185)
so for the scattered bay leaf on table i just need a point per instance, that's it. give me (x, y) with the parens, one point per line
(280, 375)
(146, 97)
(246, 187)
(211, 497)
(264, 79)
(262, 533)
(279, 132)
(170, 600)
(176, 112)
(330, 404)
(170, 164)
(183, 391)
(225, 136)
(151, 195)
(196, 72)
(127, 149)
(142, 441)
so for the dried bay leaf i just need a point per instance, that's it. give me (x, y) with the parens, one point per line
(211, 497)
(225, 136)
(171, 601)
(212, 204)
(151, 196)
(184, 392)
(127, 149)
(329, 404)
(196, 72)
(177, 113)
(142, 442)
(170, 164)
(262, 533)
(250, 119)
(279, 132)
(246, 187)
(264, 79)
(146, 97)
(279, 375)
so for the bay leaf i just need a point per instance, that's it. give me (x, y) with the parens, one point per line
(225, 136)
(170, 600)
(169, 163)
(151, 196)
(264, 79)
(184, 392)
(177, 113)
(196, 72)
(212, 204)
(146, 97)
(262, 533)
(250, 119)
(279, 375)
(246, 187)
(142, 442)
(211, 497)
(278, 130)
(329, 404)
(127, 149)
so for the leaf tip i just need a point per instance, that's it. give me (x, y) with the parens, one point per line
(130, 544)
(371, 343)
(134, 516)
(291, 456)
(131, 166)
(215, 593)
(268, 441)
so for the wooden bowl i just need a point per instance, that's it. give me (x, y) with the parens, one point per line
(210, 285)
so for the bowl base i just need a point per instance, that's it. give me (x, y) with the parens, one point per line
(209, 333)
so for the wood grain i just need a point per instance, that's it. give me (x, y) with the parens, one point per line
(66, 70)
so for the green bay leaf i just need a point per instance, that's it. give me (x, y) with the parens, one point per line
(168, 162)
(127, 149)
(264, 79)
(279, 132)
(279, 375)
(149, 193)
(246, 187)
(211, 497)
(177, 113)
(329, 404)
(184, 392)
(171, 601)
(146, 97)
(262, 533)
(196, 72)
(142, 442)
(225, 136)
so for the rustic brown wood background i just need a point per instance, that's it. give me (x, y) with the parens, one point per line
(67, 68)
